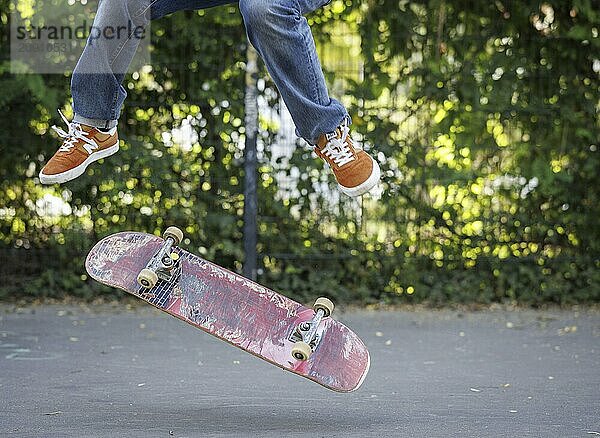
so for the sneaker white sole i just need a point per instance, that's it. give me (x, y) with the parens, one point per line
(363, 188)
(73, 173)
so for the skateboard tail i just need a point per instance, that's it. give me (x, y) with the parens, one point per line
(114, 260)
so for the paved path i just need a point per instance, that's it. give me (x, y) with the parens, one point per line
(69, 371)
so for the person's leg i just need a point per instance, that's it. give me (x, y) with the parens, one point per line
(96, 81)
(96, 89)
(281, 35)
(118, 28)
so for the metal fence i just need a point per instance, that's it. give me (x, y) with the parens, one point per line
(320, 207)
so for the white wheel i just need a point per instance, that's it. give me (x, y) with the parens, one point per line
(174, 233)
(325, 304)
(147, 278)
(301, 351)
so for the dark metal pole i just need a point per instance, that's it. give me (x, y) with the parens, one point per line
(250, 165)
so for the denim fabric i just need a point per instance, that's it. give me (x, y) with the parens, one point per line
(276, 28)
(161, 8)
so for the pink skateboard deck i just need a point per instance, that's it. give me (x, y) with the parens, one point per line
(232, 308)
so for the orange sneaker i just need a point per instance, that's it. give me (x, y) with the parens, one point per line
(82, 146)
(355, 171)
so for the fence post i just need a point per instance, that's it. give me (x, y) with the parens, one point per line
(250, 165)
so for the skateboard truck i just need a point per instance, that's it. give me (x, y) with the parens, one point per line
(305, 336)
(162, 263)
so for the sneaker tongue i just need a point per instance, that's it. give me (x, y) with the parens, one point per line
(86, 128)
(326, 138)
(331, 135)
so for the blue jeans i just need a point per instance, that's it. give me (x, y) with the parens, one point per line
(276, 28)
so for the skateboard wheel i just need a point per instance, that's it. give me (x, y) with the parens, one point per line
(147, 278)
(301, 351)
(325, 304)
(174, 233)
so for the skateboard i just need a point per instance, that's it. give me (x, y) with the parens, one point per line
(303, 340)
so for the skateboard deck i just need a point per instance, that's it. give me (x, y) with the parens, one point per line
(232, 308)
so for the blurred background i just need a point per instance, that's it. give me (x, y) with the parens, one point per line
(484, 117)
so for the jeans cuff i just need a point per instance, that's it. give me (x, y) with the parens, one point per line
(96, 123)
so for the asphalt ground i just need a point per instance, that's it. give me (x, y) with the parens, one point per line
(104, 371)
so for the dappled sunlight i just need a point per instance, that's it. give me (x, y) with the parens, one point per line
(484, 122)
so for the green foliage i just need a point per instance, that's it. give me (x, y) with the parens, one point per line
(485, 115)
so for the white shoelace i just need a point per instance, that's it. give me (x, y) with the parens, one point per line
(74, 134)
(337, 148)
